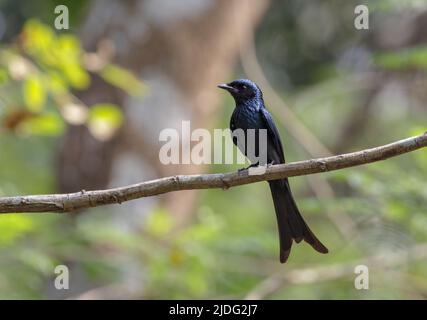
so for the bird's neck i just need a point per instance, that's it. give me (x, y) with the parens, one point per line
(252, 103)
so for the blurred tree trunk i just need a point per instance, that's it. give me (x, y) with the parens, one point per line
(181, 50)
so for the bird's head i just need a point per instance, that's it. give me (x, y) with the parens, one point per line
(242, 90)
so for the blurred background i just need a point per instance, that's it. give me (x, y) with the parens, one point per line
(83, 108)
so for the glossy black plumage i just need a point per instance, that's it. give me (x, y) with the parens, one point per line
(250, 113)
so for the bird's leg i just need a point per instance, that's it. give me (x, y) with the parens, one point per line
(250, 166)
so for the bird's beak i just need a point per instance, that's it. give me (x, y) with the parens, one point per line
(227, 87)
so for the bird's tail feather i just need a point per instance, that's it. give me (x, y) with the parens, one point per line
(290, 223)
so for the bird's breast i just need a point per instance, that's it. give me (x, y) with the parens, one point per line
(246, 118)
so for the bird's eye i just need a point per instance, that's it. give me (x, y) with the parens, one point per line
(244, 87)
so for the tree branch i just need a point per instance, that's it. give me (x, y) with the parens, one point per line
(86, 199)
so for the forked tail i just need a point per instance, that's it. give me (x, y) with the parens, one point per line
(289, 220)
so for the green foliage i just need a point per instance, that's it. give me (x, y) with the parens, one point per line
(123, 79)
(40, 72)
(159, 223)
(12, 226)
(47, 124)
(34, 93)
(59, 53)
(408, 58)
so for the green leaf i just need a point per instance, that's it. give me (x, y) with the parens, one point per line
(68, 49)
(104, 120)
(47, 124)
(123, 79)
(12, 226)
(404, 59)
(34, 93)
(4, 76)
(159, 222)
(396, 210)
(37, 37)
(76, 75)
(57, 84)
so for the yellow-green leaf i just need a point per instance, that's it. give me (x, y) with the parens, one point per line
(4, 77)
(12, 226)
(34, 93)
(104, 120)
(76, 75)
(123, 79)
(47, 124)
(159, 222)
(37, 37)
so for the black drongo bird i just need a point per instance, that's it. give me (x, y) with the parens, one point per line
(251, 113)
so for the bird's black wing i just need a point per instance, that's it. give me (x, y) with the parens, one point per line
(232, 128)
(272, 132)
